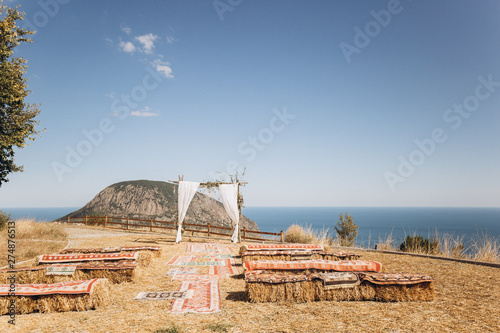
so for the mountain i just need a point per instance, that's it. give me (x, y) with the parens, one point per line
(146, 199)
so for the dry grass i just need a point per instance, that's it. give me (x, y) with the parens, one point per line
(467, 299)
(33, 239)
(307, 235)
(485, 248)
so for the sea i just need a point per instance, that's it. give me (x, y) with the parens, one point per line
(375, 223)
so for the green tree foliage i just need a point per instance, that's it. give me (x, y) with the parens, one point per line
(418, 244)
(4, 219)
(17, 118)
(346, 230)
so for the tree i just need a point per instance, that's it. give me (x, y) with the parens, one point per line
(17, 118)
(346, 230)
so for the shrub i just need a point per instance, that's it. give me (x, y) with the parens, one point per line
(418, 244)
(296, 234)
(4, 219)
(346, 230)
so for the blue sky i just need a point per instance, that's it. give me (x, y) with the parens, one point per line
(325, 103)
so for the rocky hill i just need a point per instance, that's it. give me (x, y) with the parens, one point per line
(157, 200)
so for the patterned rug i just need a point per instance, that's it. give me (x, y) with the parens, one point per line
(62, 258)
(112, 265)
(395, 278)
(332, 280)
(197, 277)
(208, 263)
(218, 256)
(227, 269)
(57, 269)
(141, 248)
(68, 287)
(179, 260)
(326, 265)
(182, 270)
(210, 247)
(205, 299)
(257, 247)
(110, 249)
(162, 295)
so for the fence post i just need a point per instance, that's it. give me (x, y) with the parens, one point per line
(281, 236)
(208, 226)
(105, 220)
(244, 232)
(68, 220)
(151, 225)
(127, 222)
(86, 220)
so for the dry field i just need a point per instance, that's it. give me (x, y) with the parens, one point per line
(467, 300)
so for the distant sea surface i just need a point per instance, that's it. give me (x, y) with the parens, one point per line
(374, 222)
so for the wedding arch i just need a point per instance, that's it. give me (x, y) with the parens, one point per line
(229, 194)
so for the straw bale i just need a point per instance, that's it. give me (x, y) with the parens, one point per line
(309, 291)
(98, 297)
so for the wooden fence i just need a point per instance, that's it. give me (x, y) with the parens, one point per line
(126, 223)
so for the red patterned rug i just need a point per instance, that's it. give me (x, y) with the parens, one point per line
(227, 269)
(61, 258)
(212, 248)
(68, 287)
(260, 247)
(326, 265)
(197, 277)
(395, 278)
(205, 299)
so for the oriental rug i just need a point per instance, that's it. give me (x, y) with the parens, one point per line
(395, 278)
(326, 265)
(205, 299)
(208, 263)
(62, 258)
(197, 277)
(179, 260)
(68, 287)
(227, 269)
(183, 270)
(116, 265)
(162, 295)
(260, 247)
(61, 269)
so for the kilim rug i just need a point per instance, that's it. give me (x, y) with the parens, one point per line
(257, 247)
(343, 265)
(338, 280)
(210, 247)
(178, 260)
(227, 269)
(68, 287)
(208, 263)
(205, 299)
(197, 277)
(395, 278)
(182, 270)
(61, 269)
(61, 258)
(161, 295)
(218, 256)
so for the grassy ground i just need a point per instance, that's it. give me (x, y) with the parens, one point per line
(468, 300)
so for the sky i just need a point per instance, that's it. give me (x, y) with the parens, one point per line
(319, 103)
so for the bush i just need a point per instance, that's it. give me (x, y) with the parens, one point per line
(346, 230)
(418, 244)
(297, 234)
(4, 219)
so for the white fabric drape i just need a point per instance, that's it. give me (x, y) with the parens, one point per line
(229, 198)
(187, 191)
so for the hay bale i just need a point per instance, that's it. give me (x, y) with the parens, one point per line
(98, 296)
(121, 272)
(307, 288)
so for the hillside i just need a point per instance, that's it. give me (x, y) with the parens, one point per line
(156, 200)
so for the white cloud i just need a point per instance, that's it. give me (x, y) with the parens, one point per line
(144, 112)
(126, 29)
(163, 67)
(127, 47)
(171, 39)
(147, 42)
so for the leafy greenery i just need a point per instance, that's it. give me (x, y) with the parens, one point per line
(420, 245)
(4, 219)
(17, 118)
(346, 230)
